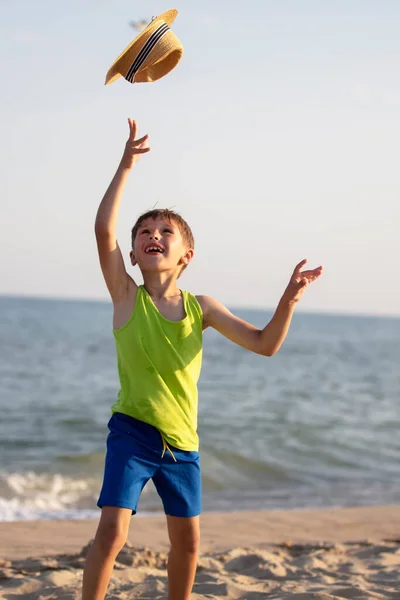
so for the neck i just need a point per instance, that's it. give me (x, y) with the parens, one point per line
(160, 285)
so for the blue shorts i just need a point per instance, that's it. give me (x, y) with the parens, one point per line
(135, 454)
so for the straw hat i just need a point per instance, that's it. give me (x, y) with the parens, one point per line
(151, 55)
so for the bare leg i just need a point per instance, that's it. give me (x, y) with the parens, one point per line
(110, 538)
(184, 535)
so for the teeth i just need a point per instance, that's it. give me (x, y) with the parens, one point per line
(156, 248)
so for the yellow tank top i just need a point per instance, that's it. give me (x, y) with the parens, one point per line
(159, 363)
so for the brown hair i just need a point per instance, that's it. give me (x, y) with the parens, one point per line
(172, 217)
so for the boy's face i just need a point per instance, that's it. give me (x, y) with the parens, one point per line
(159, 247)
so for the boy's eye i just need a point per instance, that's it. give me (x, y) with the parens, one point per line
(145, 231)
(167, 231)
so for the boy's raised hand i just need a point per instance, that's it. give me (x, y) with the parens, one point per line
(134, 148)
(299, 281)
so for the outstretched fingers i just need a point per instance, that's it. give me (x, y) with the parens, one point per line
(137, 146)
(132, 129)
(317, 272)
(141, 140)
(312, 275)
(141, 150)
(134, 148)
(298, 267)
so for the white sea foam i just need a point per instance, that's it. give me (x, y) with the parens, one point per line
(31, 496)
(26, 496)
(18, 510)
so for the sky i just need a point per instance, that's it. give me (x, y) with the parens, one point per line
(276, 138)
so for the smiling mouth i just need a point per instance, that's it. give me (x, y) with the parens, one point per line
(154, 250)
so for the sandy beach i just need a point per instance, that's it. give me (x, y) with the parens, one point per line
(304, 555)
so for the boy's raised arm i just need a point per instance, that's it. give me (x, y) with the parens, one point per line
(111, 261)
(265, 341)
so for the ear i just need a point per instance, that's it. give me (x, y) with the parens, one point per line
(132, 257)
(187, 257)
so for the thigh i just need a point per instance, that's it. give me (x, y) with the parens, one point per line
(129, 465)
(184, 533)
(113, 527)
(179, 484)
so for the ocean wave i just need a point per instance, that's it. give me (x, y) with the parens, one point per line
(30, 496)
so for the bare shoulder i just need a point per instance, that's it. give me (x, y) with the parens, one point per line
(210, 308)
(217, 316)
(124, 305)
(203, 301)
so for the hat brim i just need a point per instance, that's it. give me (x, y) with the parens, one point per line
(167, 17)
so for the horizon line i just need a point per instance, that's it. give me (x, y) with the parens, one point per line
(315, 311)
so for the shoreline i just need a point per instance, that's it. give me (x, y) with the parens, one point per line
(219, 530)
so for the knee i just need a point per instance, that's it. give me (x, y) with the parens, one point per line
(110, 537)
(186, 544)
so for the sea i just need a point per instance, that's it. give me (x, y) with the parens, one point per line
(317, 425)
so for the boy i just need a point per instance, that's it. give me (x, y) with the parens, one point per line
(158, 335)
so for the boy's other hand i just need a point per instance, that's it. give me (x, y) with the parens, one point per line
(134, 148)
(299, 282)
